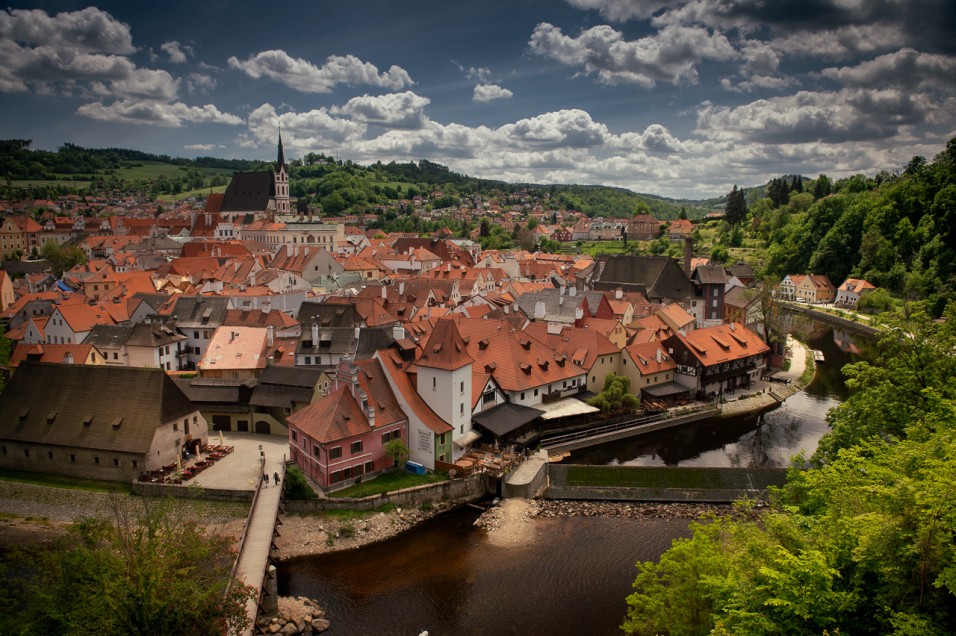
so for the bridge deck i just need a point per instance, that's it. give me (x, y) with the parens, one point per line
(257, 540)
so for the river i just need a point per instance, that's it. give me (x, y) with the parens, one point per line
(445, 577)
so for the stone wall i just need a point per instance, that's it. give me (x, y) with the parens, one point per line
(455, 490)
(190, 492)
(823, 316)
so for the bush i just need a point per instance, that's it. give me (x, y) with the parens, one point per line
(296, 485)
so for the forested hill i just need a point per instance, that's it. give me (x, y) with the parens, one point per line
(898, 231)
(316, 179)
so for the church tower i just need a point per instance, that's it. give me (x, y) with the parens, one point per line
(283, 204)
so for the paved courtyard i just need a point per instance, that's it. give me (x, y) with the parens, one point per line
(239, 470)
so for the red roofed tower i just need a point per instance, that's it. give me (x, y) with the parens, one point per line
(444, 381)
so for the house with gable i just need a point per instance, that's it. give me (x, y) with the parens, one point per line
(850, 292)
(651, 370)
(342, 437)
(66, 419)
(719, 359)
(707, 306)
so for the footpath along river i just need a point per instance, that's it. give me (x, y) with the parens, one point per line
(574, 574)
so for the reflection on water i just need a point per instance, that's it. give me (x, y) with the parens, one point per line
(769, 440)
(446, 578)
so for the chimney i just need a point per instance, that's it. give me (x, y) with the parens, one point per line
(539, 310)
(315, 333)
(401, 288)
(579, 313)
(384, 293)
(572, 292)
(554, 329)
(370, 414)
(658, 355)
(688, 254)
(270, 336)
(68, 358)
(618, 293)
(398, 332)
(252, 279)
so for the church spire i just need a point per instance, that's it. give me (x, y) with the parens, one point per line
(281, 159)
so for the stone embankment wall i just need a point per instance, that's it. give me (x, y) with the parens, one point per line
(190, 492)
(454, 490)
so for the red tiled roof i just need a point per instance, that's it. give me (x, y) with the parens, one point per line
(335, 417)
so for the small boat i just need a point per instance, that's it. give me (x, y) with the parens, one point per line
(818, 356)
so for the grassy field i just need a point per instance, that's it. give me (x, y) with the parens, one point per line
(200, 192)
(387, 482)
(49, 183)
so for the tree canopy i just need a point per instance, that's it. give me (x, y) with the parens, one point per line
(860, 542)
(144, 571)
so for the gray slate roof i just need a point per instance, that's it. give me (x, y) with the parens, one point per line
(249, 192)
(140, 400)
(657, 277)
(199, 312)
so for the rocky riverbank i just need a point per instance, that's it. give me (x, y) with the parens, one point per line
(297, 615)
(308, 535)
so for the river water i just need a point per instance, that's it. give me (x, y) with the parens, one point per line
(446, 578)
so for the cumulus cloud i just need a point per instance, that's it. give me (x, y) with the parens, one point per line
(203, 147)
(833, 117)
(670, 55)
(156, 113)
(306, 77)
(200, 83)
(394, 110)
(905, 68)
(489, 92)
(310, 130)
(564, 128)
(178, 53)
(88, 30)
(621, 10)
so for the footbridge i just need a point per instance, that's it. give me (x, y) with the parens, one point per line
(252, 564)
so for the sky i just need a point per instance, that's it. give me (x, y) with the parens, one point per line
(682, 99)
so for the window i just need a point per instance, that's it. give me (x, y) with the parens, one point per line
(175, 426)
(441, 440)
(369, 467)
(522, 395)
(462, 390)
(96, 460)
(336, 476)
(3, 450)
(434, 383)
(315, 451)
(195, 335)
(115, 462)
(26, 452)
(115, 356)
(72, 458)
(461, 408)
(536, 392)
(356, 447)
(50, 455)
(335, 452)
(387, 437)
(135, 463)
(308, 359)
(294, 435)
(347, 473)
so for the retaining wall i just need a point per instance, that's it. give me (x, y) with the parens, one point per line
(455, 490)
(190, 492)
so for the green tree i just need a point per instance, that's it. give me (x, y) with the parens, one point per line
(736, 209)
(62, 258)
(398, 451)
(145, 570)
